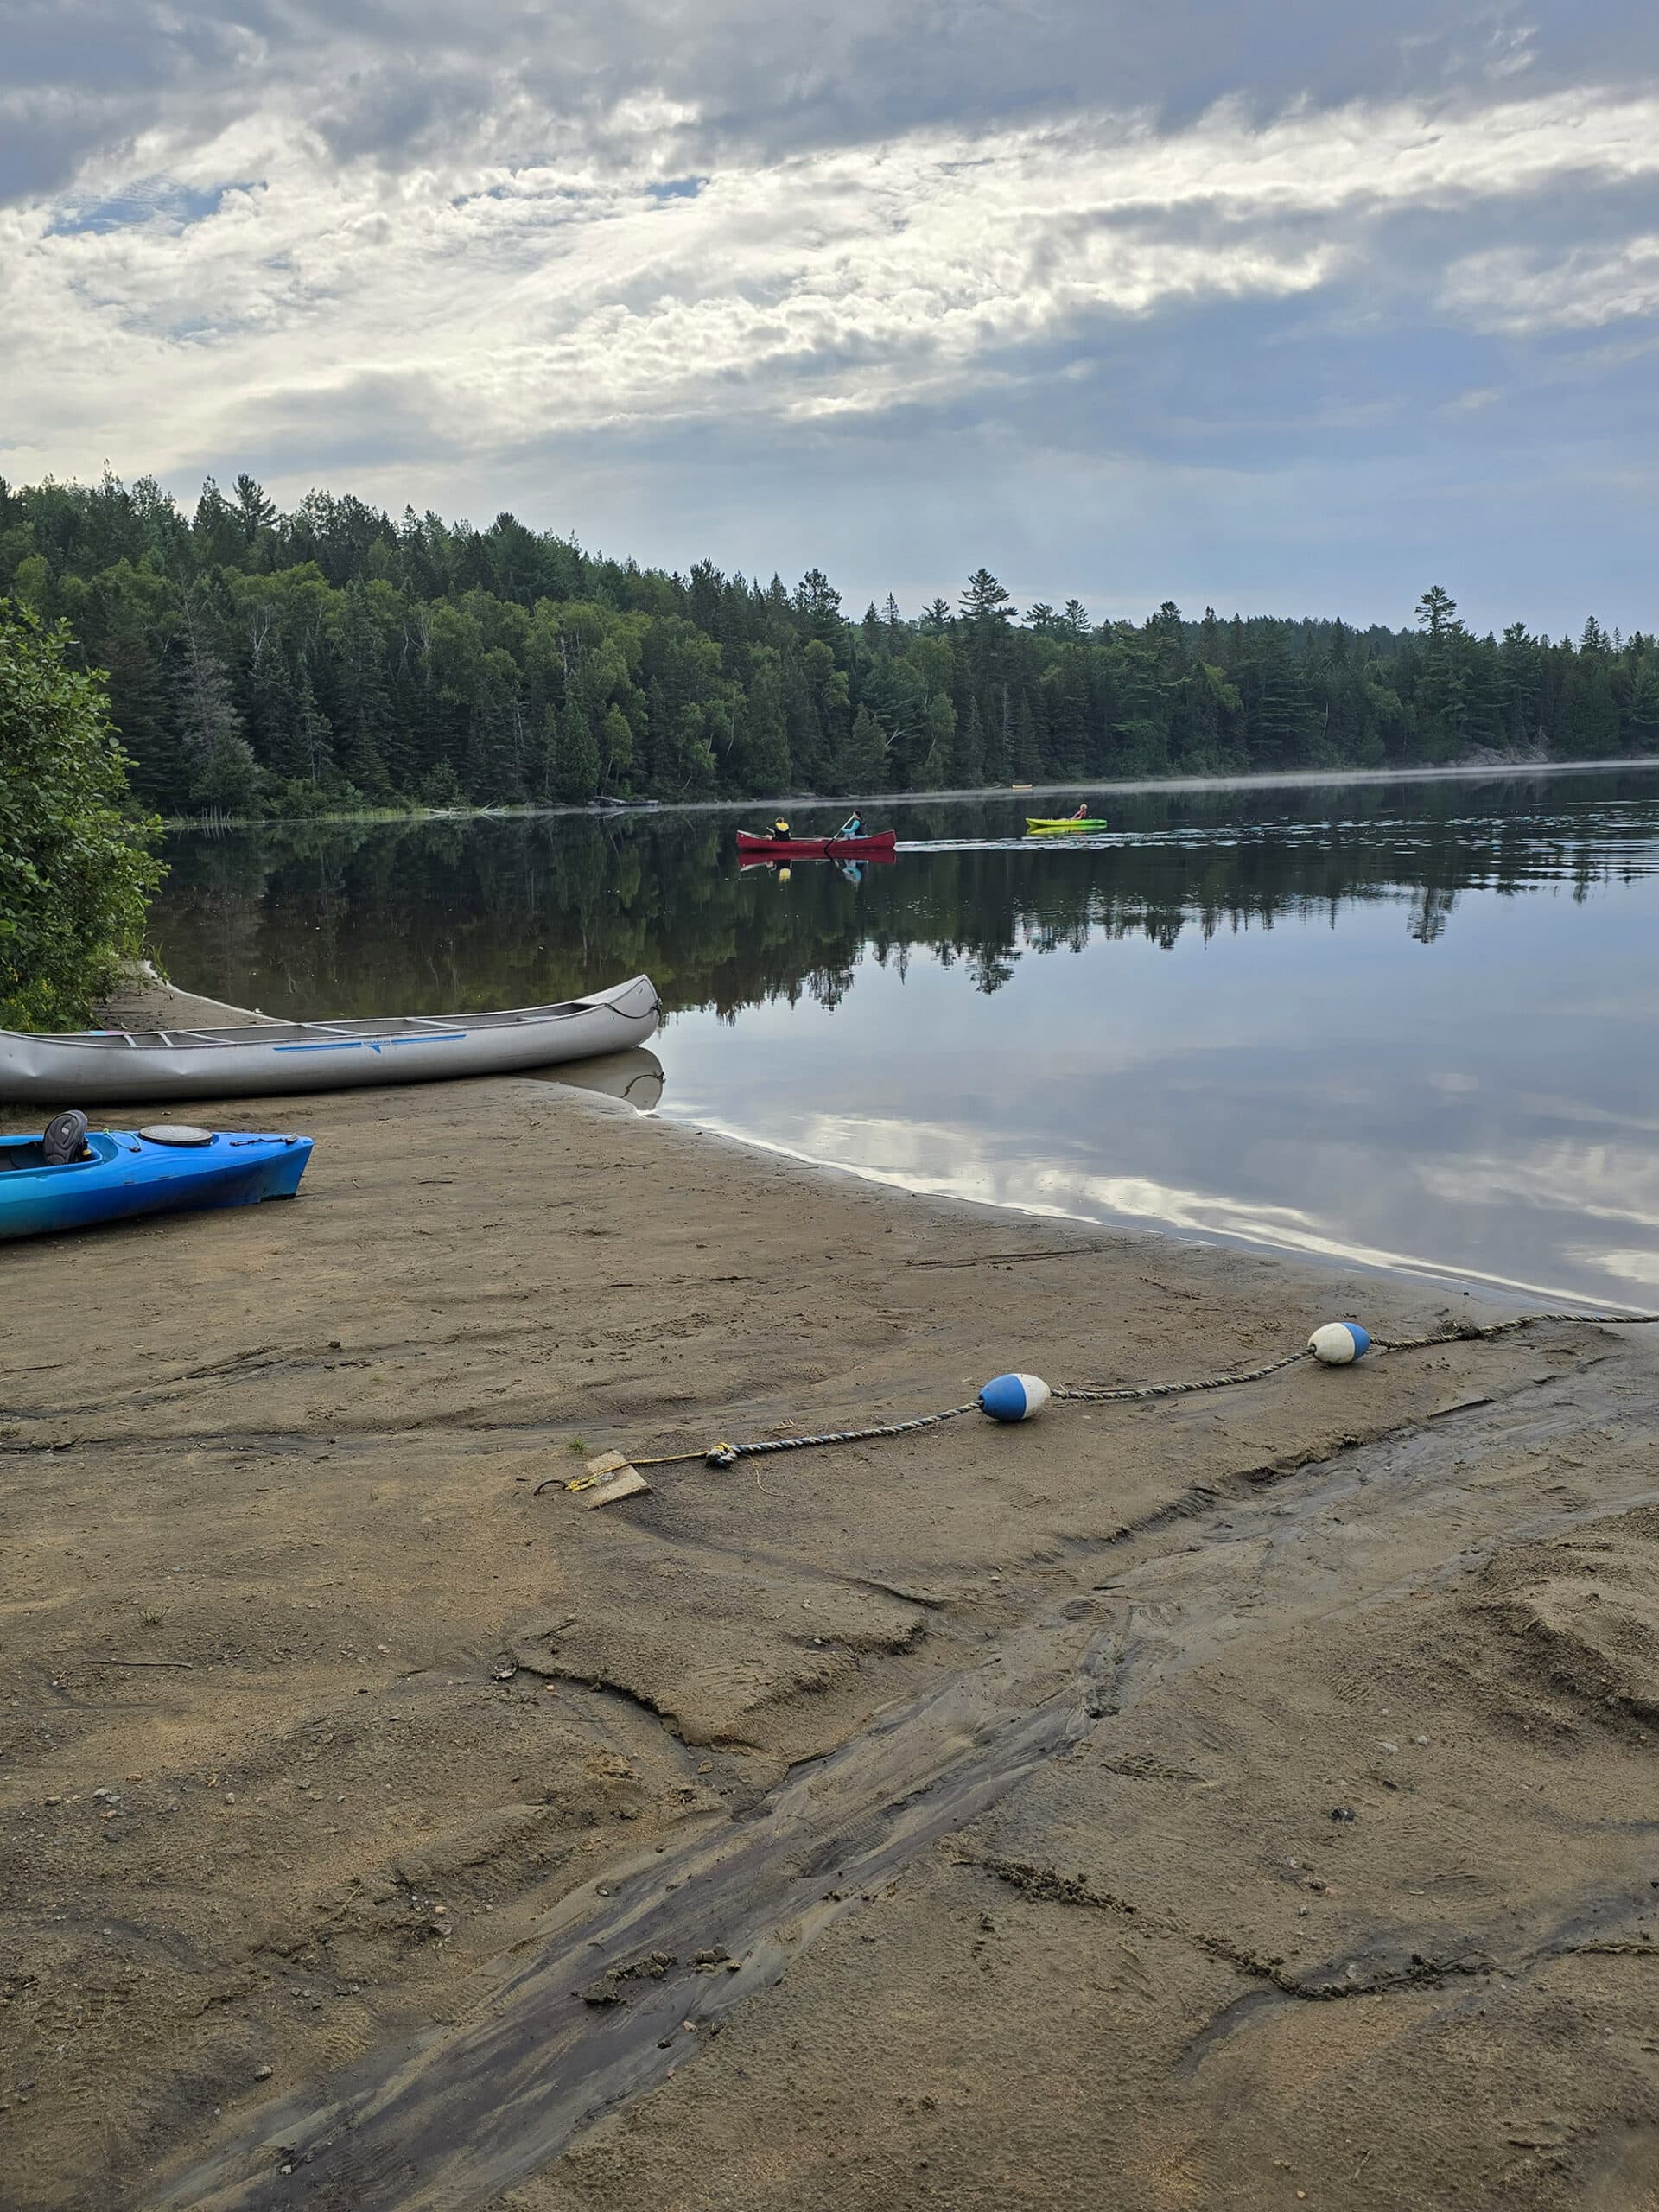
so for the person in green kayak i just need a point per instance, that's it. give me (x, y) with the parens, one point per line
(1082, 813)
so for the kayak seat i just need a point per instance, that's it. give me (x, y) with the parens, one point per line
(65, 1140)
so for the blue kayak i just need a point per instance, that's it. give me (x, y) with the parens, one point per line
(120, 1173)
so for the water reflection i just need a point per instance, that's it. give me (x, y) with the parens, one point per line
(1405, 1025)
(333, 918)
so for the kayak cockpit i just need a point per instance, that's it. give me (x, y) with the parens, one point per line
(26, 1155)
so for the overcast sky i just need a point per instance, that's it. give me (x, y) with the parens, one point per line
(1279, 306)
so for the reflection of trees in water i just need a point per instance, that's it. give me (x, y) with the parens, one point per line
(1430, 911)
(352, 917)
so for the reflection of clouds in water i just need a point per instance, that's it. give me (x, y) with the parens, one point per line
(1552, 1108)
(1629, 1267)
(1596, 1182)
(937, 1161)
(1360, 1100)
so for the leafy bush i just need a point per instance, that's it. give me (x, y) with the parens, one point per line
(75, 872)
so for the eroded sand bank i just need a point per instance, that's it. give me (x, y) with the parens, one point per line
(1067, 1907)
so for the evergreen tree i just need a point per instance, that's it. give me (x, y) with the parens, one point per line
(765, 766)
(862, 768)
(967, 759)
(1275, 695)
(222, 775)
(1442, 698)
(576, 758)
(1642, 715)
(1027, 760)
(616, 750)
(313, 749)
(254, 510)
(139, 704)
(984, 600)
(1518, 660)
(938, 767)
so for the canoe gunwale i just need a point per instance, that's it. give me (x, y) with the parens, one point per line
(239, 1035)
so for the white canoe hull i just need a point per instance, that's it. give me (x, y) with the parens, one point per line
(252, 1061)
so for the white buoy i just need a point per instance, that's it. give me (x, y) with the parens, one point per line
(1340, 1344)
(1014, 1397)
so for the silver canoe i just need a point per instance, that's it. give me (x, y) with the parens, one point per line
(250, 1059)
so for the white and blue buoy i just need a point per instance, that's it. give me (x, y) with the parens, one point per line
(1013, 1397)
(1340, 1344)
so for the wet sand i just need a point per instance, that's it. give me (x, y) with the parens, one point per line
(1237, 1799)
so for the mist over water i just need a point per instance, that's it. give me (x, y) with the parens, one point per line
(1413, 1025)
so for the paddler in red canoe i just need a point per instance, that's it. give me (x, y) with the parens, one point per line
(852, 827)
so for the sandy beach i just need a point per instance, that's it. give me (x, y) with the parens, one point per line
(1237, 1799)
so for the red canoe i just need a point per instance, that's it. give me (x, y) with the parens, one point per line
(805, 849)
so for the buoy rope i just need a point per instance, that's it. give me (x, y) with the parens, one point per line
(1105, 1394)
(1479, 1331)
(728, 1455)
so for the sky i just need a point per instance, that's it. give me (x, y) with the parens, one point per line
(1280, 307)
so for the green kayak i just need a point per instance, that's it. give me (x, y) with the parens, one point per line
(1059, 828)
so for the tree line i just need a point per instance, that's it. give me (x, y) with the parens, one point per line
(336, 658)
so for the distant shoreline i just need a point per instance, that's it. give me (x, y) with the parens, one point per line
(1279, 780)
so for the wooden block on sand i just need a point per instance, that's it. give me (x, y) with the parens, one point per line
(629, 1482)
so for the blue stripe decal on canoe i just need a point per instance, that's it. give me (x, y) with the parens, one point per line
(374, 1044)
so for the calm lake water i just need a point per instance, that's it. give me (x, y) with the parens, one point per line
(1411, 1024)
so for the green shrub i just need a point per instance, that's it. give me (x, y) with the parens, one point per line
(75, 871)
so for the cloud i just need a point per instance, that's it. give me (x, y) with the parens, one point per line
(1519, 290)
(751, 80)
(578, 295)
(423, 246)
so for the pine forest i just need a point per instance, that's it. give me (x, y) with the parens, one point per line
(336, 658)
